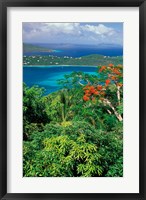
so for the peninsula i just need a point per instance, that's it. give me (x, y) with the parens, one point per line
(90, 60)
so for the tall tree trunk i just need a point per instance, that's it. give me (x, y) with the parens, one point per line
(118, 94)
(107, 102)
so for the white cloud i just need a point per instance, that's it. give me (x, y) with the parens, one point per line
(99, 29)
(74, 32)
(76, 28)
(58, 28)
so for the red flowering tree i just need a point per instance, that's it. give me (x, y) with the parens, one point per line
(109, 89)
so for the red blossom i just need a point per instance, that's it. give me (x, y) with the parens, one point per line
(85, 98)
(110, 65)
(96, 92)
(102, 68)
(99, 87)
(107, 82)
(113, 78)
(116, 71)
(87, 91)
(92, 89)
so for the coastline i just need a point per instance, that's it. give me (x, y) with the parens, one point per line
(59, 66)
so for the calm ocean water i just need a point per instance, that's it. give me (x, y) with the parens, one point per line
(47, 76)
(79, 52)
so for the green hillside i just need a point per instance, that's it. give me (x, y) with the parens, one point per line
(34, 48)
(90, 60)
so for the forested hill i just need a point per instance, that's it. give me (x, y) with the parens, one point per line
(90, 60)
(34, 48)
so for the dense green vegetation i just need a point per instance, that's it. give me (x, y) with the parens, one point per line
(90, 60)
(78, 130)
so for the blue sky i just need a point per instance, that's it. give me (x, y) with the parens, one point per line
(74, 33)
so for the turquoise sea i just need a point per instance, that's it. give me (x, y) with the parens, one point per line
(48, 76)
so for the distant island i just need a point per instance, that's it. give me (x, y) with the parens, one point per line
(90, 60)
(34, 48)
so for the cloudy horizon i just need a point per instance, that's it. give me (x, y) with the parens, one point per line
(73, 33)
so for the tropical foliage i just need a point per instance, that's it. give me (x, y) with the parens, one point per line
(78, 130)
